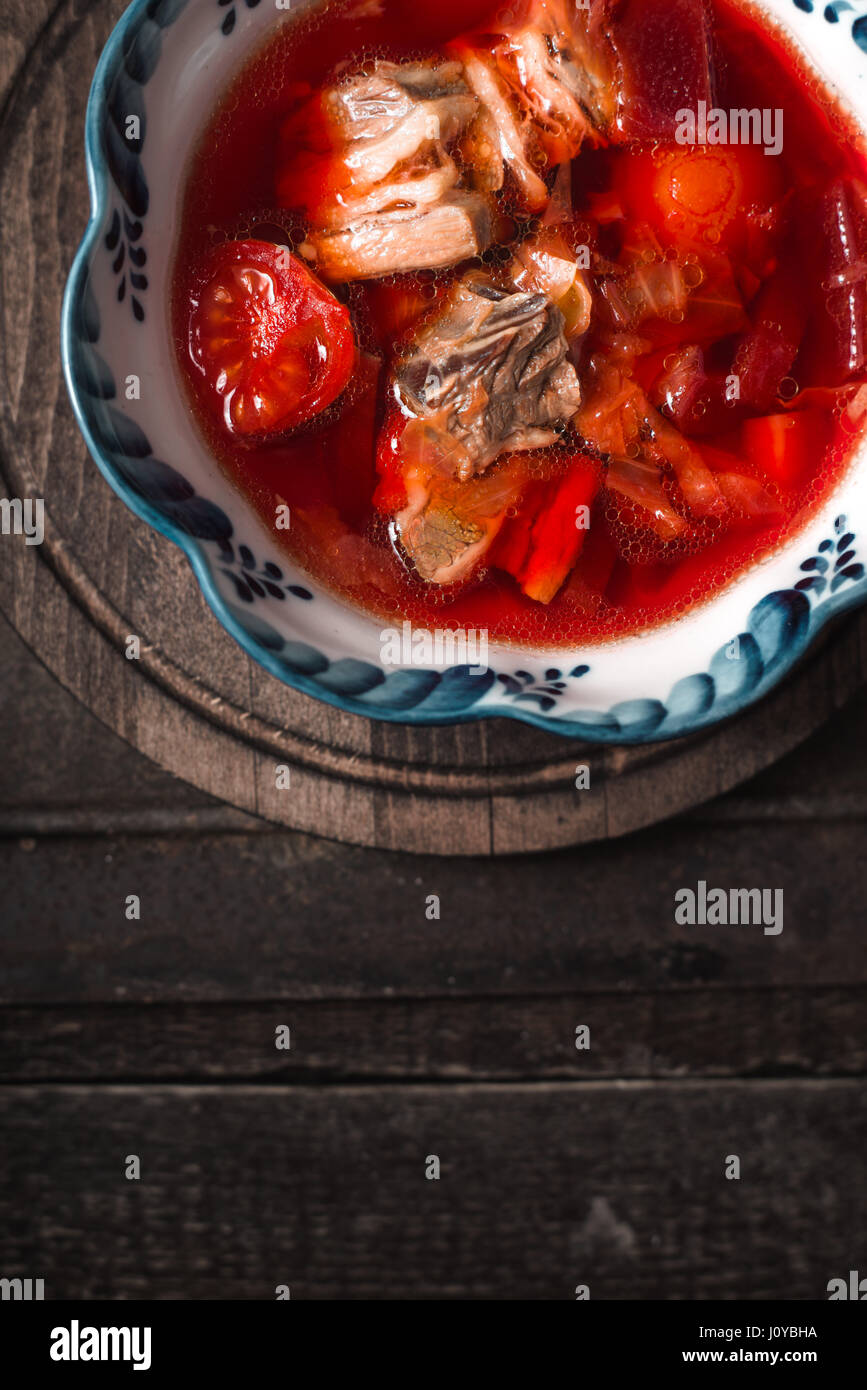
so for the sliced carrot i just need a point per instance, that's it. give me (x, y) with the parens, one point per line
(698, 189)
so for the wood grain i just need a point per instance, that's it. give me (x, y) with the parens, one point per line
(195, 704)
(232, 916)
(620, 1187)
(793, 1033)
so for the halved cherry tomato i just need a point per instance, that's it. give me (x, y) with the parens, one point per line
(273, 345)
(786, 449)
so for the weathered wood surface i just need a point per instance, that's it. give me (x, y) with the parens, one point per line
(195, 704)
(409, 1037)
(542, 1188)
(223, 916)
(793, 1033)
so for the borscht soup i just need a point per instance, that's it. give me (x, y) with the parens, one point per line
(545, 318)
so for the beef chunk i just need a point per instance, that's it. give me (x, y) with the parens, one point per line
(429, 238)
(545, 86)
(368, 161)
(503, 118)
(383, 118)
(491, 372)
(448, 527)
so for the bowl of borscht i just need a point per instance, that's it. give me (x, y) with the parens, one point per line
(489, 359)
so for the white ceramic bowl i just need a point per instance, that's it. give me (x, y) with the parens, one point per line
(167, 61)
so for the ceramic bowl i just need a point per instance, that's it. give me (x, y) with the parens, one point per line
(166, 62)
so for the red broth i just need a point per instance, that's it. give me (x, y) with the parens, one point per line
(626, 579)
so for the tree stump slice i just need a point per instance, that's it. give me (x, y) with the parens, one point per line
(195, 703)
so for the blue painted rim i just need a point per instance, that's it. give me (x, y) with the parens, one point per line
(636, 722)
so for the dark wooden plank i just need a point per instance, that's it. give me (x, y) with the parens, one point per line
(713, 1033)
(272, 916)
(620, 1187)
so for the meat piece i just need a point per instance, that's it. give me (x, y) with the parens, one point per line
(550, 86)
(365, 110)
(384, 118)
(565, 66)
(546, 86)
(440, 235)
(586, 57)
(447, 527)
(490, 374)
(494, 96)
(367, 160)
(482, 153)
(417, 184)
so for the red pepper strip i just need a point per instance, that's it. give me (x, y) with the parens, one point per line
(512, 547)
(588, 581)
(542, 552)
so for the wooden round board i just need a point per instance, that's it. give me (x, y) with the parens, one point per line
(194, 703)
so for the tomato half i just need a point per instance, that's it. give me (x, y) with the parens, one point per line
(273, 345)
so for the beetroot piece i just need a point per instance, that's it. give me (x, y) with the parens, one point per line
(665, 49)
(766, 352)
(843, 326)
(693, 398)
